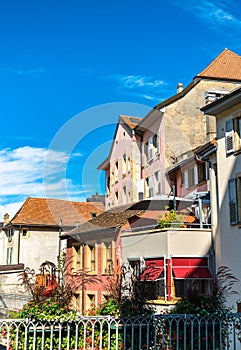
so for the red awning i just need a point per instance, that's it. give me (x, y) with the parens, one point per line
(154, 262)
(151, 273)
(153, 269)
(182, 262)
(192, 272)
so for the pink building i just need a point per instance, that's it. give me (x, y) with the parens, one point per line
(123, 166)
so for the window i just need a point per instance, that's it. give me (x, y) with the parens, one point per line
(145, 151)
(135, 267)
(116, 171)
(212, 96)
(232, 135)
(124, 165)
(234, 187)
(182, 285)
(107, 258)
(140, 188)
(150, 149)
(146, 193)
(229, 136)
(9, 256)
(108, 185)
(91, 258)
(157, 182)
(24, 232)
(151, 186)
(152, 278)
(185, 270)
(77, 251)
(202, 172)
(129, 164)
(76, 302)
(10, 233)
(93, 215)
(104, 298)
(156, 149)
(191, 181)
(91, 300)
(195, 175)
(116, 197)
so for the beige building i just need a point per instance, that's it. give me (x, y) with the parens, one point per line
(31, 237)
(227, 235)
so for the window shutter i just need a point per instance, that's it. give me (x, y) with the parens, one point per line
(151, 186)
(185, 178)
(229, 136)
(195, 175)
(158, 143)
(233, 205)
(150, 149)
(159, 182)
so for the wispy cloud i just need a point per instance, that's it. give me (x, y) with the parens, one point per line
(214, 12)
(30, 72)
(140, 85)
(22, 176)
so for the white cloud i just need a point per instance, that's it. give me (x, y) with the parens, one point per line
(140, 85)
(215, 12)
(22, 176)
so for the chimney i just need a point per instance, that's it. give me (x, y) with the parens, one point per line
(6, 219)
(179, 87)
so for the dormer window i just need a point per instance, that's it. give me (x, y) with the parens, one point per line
(212, 96)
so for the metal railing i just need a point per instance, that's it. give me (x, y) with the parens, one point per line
(159, 332)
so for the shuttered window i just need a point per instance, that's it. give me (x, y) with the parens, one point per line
(229, 136)
(233, 202)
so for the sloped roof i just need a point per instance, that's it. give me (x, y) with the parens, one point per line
(52, 212)
(130, 121)
(227, 65)
(112, 218)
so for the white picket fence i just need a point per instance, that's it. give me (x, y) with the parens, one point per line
(159, 332)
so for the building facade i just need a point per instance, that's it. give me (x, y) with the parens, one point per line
(169, 130)
(228, 197)
(31, 237)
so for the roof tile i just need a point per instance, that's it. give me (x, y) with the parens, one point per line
(226, 66)
(50, 212)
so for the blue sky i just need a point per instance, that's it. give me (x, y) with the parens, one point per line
(69, 68)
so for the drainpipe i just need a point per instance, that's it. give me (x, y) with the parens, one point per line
(19, 244)
(200, 212)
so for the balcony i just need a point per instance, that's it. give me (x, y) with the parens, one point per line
(166, 242)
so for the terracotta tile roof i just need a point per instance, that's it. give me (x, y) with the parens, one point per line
(112, 218)
(226, 66)
(130, 121)
(49, 212)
